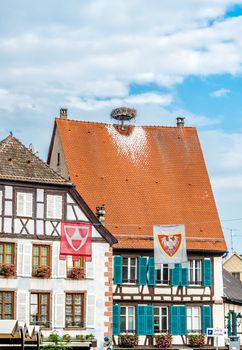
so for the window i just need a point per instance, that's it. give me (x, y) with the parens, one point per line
(129, 270)
(24, 204)
(40, 309)
(163, 275)
(6, 253)
(195, 272)
(193, 319)
(75, 268)
(236, 275)
(41, 260)
(6, 305)
(160, 319)
(54, 206)
(1, 202)
(74, 310)
(127, 319)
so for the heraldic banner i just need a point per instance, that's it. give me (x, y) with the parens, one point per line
(169, 245)
(76, 240)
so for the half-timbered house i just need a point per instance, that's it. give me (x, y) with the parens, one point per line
(147, 176)
(36, 287)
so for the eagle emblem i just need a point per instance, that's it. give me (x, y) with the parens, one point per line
(170, 243)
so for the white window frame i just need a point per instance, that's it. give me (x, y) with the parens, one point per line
(55, 206)
(24, 213)
(162, 275)
(161, 317)
(127, 318)
(129, 269)
(192, 316)
(192, 272)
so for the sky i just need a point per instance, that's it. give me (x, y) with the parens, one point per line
(165, 58)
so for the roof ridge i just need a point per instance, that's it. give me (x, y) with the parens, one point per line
(134, 125)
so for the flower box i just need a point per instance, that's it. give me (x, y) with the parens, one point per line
(42, 271)
(128, 340)
(7, 270)
(76, 273)
(163, 340)
(196, 340)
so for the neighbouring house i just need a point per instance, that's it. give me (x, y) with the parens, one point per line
(232, 304)
(147, 175)
(36, 287)
(233, 264)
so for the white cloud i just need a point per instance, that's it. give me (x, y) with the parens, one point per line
(220, 93)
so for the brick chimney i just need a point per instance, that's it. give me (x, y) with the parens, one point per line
(180, 121)
(63, 113)
(100, 213)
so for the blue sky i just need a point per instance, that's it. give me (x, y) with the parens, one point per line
(164, 58)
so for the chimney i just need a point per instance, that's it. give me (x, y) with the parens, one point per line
(180, 121)
(63, 113)
(100, 213)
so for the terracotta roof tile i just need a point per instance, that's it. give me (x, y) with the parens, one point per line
(145, 175)
(18, 163)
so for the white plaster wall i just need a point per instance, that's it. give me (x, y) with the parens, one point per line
(218, 279)
(57, 148)
(56, 284)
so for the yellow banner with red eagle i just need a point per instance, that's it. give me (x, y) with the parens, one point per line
(169, 244)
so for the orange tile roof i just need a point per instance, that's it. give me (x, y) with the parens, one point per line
(145, 176)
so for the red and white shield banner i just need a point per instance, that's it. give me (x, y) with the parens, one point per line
(76, 239)
(170, 244)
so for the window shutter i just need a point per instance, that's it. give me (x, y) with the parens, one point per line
(234, 323)
(116, 319)
(151, 271)
(149, 320)
(55, 259)
(206, 318)
(184, 277)
(23, 306)
(141, 320)
(117, 269)
(59, 310)
(89, 269)
(28, 204)
(50, 206)
(142, 276)
(183, 319)
(19, 259)
(176, 275)
(61, 266)
(20, 203)
(174, 320)
(207, 272)
(27, 259)
(58, 207)
(229, 324)
(91, 307)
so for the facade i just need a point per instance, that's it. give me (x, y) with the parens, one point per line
(36, 287)
(233, 264)
(145, 176)
(232, 304)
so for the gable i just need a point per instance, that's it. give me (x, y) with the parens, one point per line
(233, 263)
(145, 176)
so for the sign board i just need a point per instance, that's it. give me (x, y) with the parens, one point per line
(215, 332)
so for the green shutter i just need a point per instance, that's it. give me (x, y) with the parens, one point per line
(229, 324)
(117, 269)
(234, 323)
(142, 276)
(116, 319)
(184, 277)
(151, 271)
(176, 275)
(149, 320)
(183, 319)
(141, 320)
(206, 318)
(174, 324)
(207, 273)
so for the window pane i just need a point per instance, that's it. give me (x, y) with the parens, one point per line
(34, 298)
(34, 310)
(44, 298)
(130, 323)
(68, 298)
(122, 324)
